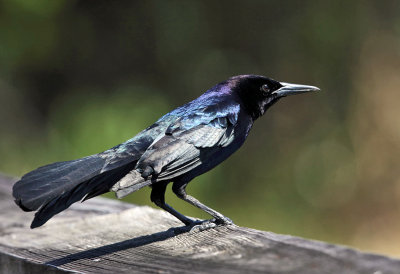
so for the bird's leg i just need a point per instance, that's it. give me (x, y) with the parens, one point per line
(158, 197)
(180, 190)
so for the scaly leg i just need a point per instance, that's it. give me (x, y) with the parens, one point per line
(180, 190)
(158, 197)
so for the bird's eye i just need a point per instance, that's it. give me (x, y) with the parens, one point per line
(265, 89)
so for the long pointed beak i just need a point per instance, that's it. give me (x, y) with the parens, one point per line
(293, 89)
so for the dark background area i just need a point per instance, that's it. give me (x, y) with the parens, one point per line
(78, 77)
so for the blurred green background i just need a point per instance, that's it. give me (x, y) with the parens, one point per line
(78, 77)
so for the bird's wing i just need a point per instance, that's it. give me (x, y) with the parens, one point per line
(132, 150)
(188, 131)
(186, 143)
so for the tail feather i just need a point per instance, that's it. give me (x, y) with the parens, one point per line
(44, 184)
(53, 188)
(98, 185)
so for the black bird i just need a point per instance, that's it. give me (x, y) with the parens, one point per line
(181, 145)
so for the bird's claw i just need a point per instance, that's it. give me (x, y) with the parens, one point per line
(204, 225)
(223, 221)
(199, 226)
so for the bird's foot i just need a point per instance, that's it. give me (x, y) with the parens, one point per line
(223, 221)
(203, 225)
(199, 226)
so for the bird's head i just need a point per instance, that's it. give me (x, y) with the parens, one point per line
(258, 93)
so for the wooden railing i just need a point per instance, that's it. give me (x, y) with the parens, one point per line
(107, 236)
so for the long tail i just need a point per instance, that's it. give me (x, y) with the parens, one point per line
(53, 188)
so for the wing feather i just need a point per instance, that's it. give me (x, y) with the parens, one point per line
(177, 153)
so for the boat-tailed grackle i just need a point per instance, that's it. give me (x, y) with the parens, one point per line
(184, 143)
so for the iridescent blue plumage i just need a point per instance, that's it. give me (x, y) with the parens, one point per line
(181, 145)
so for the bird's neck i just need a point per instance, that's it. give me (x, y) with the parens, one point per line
(252, 109)
(257, 109)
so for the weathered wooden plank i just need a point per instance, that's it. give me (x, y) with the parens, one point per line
(107, 236)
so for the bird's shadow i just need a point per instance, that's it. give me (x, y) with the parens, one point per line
(119, 246)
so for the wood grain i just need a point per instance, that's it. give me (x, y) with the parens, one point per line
(107, 236)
